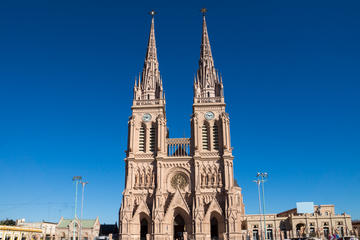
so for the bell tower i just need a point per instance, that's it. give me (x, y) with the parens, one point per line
(147, 134)
(210, 122)
(210, 128)
(212, 152)
(147, 124)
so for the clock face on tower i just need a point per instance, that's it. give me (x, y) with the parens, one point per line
(209, 115)
(146, 117)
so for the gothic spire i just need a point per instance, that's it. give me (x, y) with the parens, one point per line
(151, 53)
(205, 50)
(207, 77)
(150, 86)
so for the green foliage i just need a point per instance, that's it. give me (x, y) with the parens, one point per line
(8, 222)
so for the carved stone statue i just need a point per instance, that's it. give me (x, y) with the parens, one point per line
(219, 179)
(136, 179)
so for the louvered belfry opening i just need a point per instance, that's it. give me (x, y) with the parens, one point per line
(205, 138)
(216, 136)
(152, 138)
(142, 139)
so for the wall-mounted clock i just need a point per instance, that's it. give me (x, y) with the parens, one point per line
(146, 117)
(209, 115)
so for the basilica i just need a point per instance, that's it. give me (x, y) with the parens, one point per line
(184, 188)
(178, 188)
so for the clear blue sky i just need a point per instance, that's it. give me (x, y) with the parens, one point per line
(291, 72)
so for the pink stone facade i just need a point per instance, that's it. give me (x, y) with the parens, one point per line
(180, 188)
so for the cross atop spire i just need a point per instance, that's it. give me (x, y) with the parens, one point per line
(152, 13)
(203, 10)
(151, 53)
(205, 51)
(150, 83)
(207, 84)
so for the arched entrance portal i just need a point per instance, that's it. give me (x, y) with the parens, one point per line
(300, 230)
(214, 229)
(217, 226)
(143, 229)
(179, 227)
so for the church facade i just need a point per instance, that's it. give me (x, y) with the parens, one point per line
(180, 188)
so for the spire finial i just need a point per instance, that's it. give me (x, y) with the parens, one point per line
(203, 10)
(152, 13)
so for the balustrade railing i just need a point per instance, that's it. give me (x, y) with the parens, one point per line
(178, 147)
(209, 100)
(149, 102)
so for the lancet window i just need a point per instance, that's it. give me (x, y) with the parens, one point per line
(205, 137)
(142, 139)
(216, 136)
(152, 138)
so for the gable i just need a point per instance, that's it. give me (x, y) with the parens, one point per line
(142, 208)
(213, 207)
(177, 201)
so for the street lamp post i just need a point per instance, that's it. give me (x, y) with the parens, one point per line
(82, 206)
(261, 177)
(76, 179)
(260, 211)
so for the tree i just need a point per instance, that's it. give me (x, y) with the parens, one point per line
(8, 222)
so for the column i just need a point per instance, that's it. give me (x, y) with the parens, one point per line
(226, 175)
(231, 182)
(223, 132)
(130, 176)
(158, 136)
(136, 135)
(196, 134)
(199, 132)
(228, 134)
(159, 169)
(196, 178)
(163, 135)
(131, 136)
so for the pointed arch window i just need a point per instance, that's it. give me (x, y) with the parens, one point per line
(205, 137)
(142, 139)
(216, 136)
